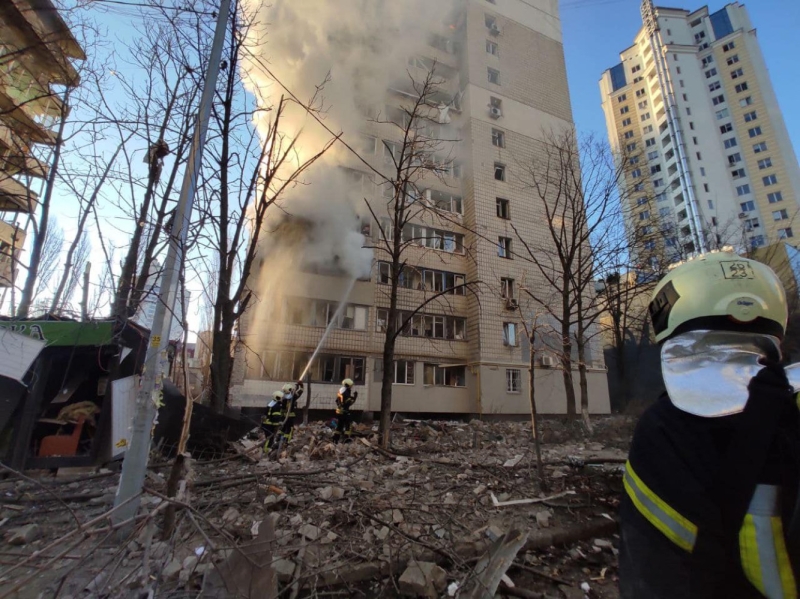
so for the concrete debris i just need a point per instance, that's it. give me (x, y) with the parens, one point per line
(23, 535)
(543, 518)
(423, 579)
(327, 519)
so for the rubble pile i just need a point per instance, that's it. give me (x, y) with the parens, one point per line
(453, 509)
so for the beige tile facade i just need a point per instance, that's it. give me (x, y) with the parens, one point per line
(721, 139)
(533, 97)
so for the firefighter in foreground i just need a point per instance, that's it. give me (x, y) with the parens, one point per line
(291, 393)
(272, 421)
(712, 477)
(344, 418)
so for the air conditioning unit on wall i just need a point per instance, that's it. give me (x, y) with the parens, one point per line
(495, 112)
(548, 361)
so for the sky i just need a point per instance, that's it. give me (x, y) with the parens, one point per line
(595, 31)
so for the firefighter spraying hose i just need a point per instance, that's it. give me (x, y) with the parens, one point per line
(711, 485)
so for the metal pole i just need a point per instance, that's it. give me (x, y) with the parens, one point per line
(135, 463)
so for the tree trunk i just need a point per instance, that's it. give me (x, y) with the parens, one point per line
(566, 371)
(26, 298)
(534, 413)
(584, 383)
(220, 368)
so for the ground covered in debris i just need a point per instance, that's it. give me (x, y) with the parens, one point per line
(454, 509)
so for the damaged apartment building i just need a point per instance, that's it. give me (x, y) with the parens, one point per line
(465, 353)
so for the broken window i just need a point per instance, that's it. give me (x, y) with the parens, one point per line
(403, 372)
(445, 376)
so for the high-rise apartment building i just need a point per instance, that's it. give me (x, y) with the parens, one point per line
(35, 51)
(464, 353)
(692, 109)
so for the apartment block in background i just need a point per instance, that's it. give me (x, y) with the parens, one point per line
(692, 109)
(506, 83)
(36, 47)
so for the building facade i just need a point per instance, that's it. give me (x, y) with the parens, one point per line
(464, 352)
(692, 110)
(36, 47)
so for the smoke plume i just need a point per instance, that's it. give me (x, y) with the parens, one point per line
(357, 48)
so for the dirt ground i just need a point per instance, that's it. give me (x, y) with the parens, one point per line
(435, 517)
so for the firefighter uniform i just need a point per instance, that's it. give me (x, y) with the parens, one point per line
(291, 394)
(272, 420)
(344, 417)
(712, 476)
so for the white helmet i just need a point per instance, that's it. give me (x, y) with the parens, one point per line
(288, 388)
(347, 382)
(278, 395)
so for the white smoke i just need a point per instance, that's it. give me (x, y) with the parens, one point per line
(358, 47)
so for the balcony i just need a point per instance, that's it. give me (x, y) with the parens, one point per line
(12, 239)
(15, 197)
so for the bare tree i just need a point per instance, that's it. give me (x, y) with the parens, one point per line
(582, 190)
(50, 254)
(407, 221)
(243, 176)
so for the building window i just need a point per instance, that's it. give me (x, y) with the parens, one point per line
(494, 75)
(717, 100)
(403, 372)
(734, 158)
(727, 128)
(507, 288)
(644, 215)
(658, 182)
(785, 233)
(445, 376)
(498, 138)
(652, 155)
(750, 224)
(760, 147)
(624, 110)
(748, 101)
(645, 116)
(699, 155)
(640, 93)
(780, 215)
(748, 206)
(646, 230)
(774, 198)
(711, 73)
(770, 180)
(757, 241)
(732, 60)
(490, 21)
(738, 173)
(499, 172)
(665, 212)
(626, 122)
(722, 114)
(636, 173)
(642, 104)
(513, 380)
(628, 135)
(766, 163)
(622, 97)
(742, 190)
(655, 169)
(641, 201)
(750, 117)
(707, 60)
(728, 47)
(742, 87)
(510, 334)
(754, 132)
(650, 142)
(327, 369)
(702, 171)
(504, 247)
(737, 73)
(648, 129)
(631, 147)
(633, 160)
(706, 188)
(730, 143)
(502, 208)
(492, 48)
(712, 87)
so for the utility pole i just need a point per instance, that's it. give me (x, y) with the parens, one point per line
(135, 464)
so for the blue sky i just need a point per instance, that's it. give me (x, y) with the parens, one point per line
(596, 30)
